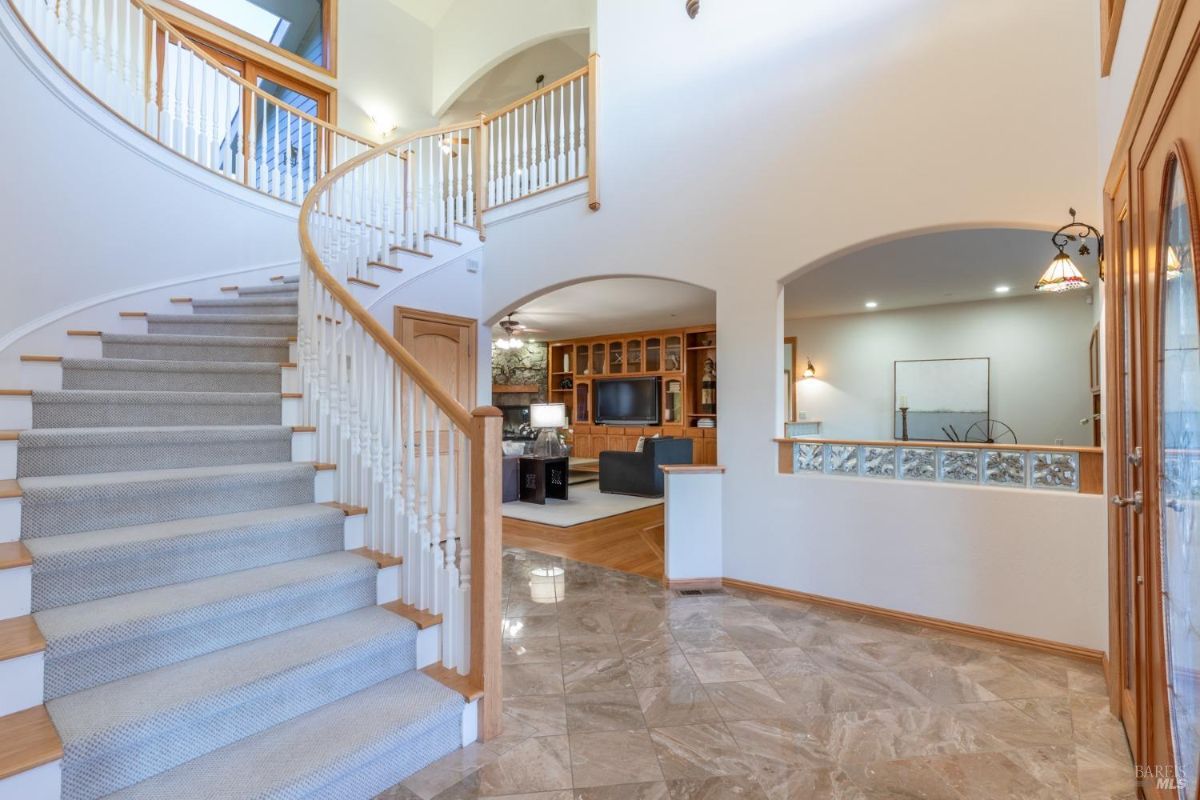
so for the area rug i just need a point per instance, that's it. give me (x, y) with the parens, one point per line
(586, 504)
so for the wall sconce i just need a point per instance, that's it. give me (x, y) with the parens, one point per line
(809, 370)
(693, 8)
(385, 129)
(1062, 275)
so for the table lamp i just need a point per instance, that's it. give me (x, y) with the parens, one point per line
(548, 418)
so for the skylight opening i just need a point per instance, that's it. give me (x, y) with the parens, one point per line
(246, 16)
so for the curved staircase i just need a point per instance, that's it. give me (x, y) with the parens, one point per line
(205, 631)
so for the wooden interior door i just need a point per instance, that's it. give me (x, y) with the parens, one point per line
(1157, 302)
(445, 345)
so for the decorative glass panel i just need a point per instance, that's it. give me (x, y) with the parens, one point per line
(673, 354)
(918, 463)
(879, 462)
(1055, 470)
(581, 360)
(633, 355)
(808, 457)
(614, 358)
(1180, 484)
(843, 459)
(1004, 467)
(653, 350)
(960, 466)
(598, 358)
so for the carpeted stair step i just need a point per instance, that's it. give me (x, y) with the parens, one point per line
(169, 347)
(97, 408)
(293, 279)
(222, 324)
(84, 451)
(356, 747)
(78, 567)
(263, 304)
(172, 376)
(54, 505)
(92, 643)
(272, 290)
(124, 732)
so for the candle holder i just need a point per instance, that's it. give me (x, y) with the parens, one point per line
(904, 423)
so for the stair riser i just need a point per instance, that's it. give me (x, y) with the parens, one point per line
(201, 327)
(15, 592)
(247, 308)
(160, 501)
(39, 783)
(22, 679)
(157, 642)
(16, 412)
(158, 745)
(131, 568)
(103, 415)
(195, 352)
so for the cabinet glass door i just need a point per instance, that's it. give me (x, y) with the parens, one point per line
(615, 366)
(633, 355)
(673, 354)
(653, 354)
(1179, 460)
(598, 358)
(581, 360)
(582, 410)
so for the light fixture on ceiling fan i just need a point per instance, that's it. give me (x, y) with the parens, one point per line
(511, 327)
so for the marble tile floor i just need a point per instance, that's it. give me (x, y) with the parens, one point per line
(617, 689)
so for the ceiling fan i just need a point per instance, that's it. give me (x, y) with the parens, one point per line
(511, 327)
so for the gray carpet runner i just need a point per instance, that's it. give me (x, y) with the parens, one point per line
(171, 376)
(206, 633)
(170, 347)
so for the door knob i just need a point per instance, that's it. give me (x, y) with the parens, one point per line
(1135, 501)
(1135, 458)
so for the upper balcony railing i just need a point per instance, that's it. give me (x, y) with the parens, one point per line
(130, 58)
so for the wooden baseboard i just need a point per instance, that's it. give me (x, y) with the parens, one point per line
(693, 583)
(1015, 639)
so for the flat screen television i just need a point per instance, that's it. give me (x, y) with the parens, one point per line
(628, 401)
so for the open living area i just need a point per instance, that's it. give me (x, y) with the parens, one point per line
(600, 400)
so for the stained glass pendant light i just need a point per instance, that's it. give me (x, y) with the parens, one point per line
(1062, 275)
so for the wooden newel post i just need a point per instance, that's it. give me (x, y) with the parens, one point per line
(592, 157)
(486, 558)
(481, 174)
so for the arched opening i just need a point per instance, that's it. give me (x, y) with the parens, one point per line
(619, 373)
(941, 336)
(518, 74)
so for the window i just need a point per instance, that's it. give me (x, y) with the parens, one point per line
(296, 30)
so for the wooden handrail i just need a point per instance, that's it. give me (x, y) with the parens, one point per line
(534, 95)
(419, 374)
(944, 443)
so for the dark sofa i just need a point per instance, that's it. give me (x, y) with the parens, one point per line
(638, 473)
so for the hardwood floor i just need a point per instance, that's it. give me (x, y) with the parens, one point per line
(626, 542)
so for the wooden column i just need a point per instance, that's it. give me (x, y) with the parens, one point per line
(593, 177)
(481, 174)
(486, 557)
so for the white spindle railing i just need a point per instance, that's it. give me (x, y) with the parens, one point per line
(403, 446)
(541, 141)
(130, 58)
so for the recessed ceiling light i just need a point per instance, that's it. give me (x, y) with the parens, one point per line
(1003, 289)
(872, 304)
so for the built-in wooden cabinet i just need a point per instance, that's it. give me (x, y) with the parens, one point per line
(678, 356)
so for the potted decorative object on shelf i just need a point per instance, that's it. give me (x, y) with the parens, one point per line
(708, 388)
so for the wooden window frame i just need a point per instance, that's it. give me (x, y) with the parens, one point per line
(1111, 12)
(328, 35)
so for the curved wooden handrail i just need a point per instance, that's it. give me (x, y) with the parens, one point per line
(169, 27)
(449, 405)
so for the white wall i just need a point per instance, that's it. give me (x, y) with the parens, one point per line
(736, 149)
(1116, 89)
(475, 35)
(91, 207)
(1038, 348)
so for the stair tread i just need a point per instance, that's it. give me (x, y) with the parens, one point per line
(162, 365)
(155, 396)
(225, 319)
(129, 612)
(259, 300)
(68, 544)
(190, 340)
(180, 689)
(53, 482)
(303, 756)
(27, 740)
(166, 434)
